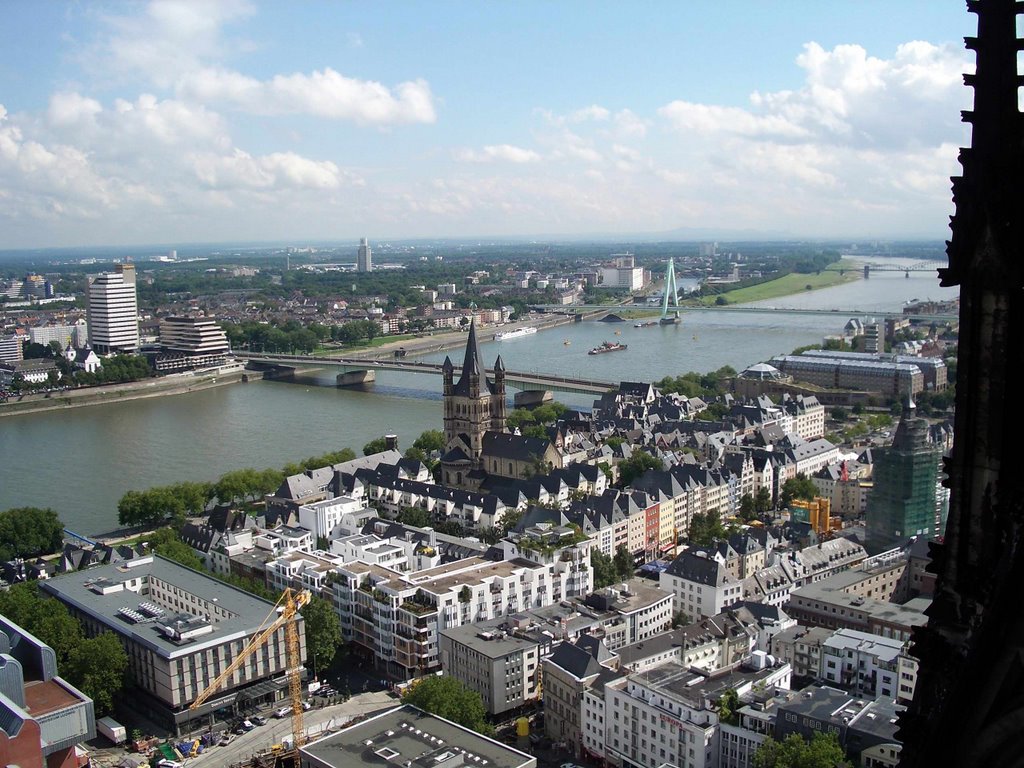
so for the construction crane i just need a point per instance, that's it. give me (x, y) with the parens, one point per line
(284, 613)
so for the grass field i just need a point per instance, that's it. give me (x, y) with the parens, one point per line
(789, 285)
(378, 341)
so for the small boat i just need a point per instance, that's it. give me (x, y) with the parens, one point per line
(645, 324)
(618, 333)
(567, 342)
(607, 346)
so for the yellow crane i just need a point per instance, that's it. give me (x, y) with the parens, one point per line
(284, 613)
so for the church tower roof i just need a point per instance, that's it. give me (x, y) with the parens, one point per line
(473, 367)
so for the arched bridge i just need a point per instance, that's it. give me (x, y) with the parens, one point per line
(360, 366)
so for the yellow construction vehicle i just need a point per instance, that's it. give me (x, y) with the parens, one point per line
(284, 614)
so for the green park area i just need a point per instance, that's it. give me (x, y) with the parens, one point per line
(843, 271)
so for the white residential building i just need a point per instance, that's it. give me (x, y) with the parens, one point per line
(668, 714)
(702, 586)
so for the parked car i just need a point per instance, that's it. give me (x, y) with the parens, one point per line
(283, 712)
(259, 720)
(226, 739)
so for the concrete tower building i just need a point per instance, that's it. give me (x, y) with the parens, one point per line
(113, 311)
(364, 258)
(903, 501)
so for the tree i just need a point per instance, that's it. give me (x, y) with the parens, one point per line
(636, 465)
(147, 508)
(377, 445)
(429, 441)
(705, 528)
(605, 573)
(415, 516)
(166, 543)
(44, 617)
(446, 697)
(625, 568)
(793, 752)
(98, 666)
(193, 496)
(799, 487)
(323, 632)
(728, 707)
(762, 500)
(747, 509)
(29, 532)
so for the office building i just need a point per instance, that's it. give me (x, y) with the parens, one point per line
(364, 257)
(112, 311)
(903, 500)
(11, 348)
(190, 342)
(408, 736)
(180, 629)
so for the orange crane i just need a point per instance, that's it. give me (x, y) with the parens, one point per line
(284, 614)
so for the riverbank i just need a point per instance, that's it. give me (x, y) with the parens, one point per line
(176, 384)
(442, 342)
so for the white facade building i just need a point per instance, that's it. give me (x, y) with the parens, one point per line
(113, 311)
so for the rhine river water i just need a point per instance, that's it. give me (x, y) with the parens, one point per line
(80, 461)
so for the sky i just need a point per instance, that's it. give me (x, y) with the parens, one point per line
(320, 120)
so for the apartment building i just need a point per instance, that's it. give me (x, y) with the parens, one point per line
(503, 667)
(668, 714)
(180, 629)
(701, 584)
(395, 618)
(569, 671)
(868, 665)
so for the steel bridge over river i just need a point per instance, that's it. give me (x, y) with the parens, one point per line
(360, 370)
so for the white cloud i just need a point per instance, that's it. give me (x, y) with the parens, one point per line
(168, 38)
(498, 152)
(72, 108)
(279, 170)
(629, 125)
(324, 93)
(593, 112)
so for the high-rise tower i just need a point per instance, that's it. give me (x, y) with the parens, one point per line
(112, 311)
(472, 406)
(902, 502)
(364, 257)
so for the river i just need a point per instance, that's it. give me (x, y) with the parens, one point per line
(81, 461)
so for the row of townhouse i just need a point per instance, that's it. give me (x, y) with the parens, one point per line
(707, 580)
(473, 511)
